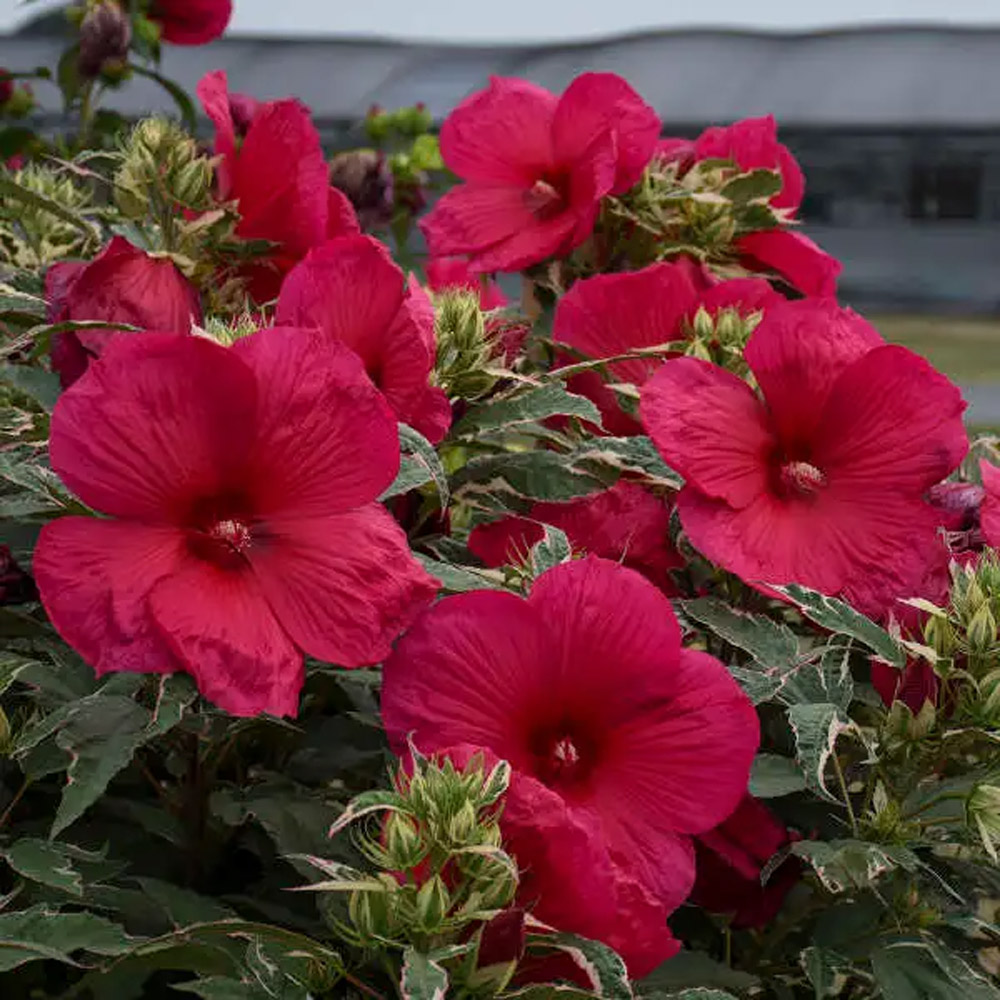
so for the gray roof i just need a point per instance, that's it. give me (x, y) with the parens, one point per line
(865, 78)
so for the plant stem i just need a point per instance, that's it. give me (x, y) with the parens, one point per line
(847, 795)
(18, 795)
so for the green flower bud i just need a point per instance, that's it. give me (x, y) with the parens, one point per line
(982, 630)
(404, 846)
(6, 743)
(989, 699)
(464, 350)
(20, 102)
(983, 815)
(433, 903)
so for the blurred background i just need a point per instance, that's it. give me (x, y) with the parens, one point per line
(892, 108)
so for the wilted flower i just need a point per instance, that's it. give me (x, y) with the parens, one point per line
(280, 180)
(822, 480)
(364, 176)
(351, 289)
(105, 35)
(191, 22)
(536, 167)
(626, 523)
(613, 314)
(622, 744)
(240, 485)
(123, 284)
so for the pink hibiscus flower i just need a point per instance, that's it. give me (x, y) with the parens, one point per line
(989, 511)
(351, 290)
(753, 144)
(612, 314)
(622, 744)
(822, 481)
(626, 523)
(240, 487)
(536, 167)
(279, 177)
(122, 284)
(454, 272)
(191, 22)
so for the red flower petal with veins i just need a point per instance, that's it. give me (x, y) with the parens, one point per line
(191, 22)
(622, 744)
(241, 485)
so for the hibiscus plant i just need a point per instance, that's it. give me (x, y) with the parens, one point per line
(592, 606)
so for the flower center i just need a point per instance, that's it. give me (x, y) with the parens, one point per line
(544, 200)
(232, 534)
(220, 532)
(563, 756)
(801, 478)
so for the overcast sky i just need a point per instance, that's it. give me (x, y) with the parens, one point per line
(522, 20)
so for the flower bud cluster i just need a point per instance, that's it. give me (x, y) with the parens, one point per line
(105, 36)
(720, 338)
(441, 867)
(34, 237)
(468, 354)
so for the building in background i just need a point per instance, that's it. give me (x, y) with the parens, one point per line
(897, 126)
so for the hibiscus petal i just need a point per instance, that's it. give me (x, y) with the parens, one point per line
(796, 258)
(710, 427)
(989, 512)
(351, 290)
(341, 218)
(220, 627)
(93, 578)
(326, 440)
(494, 225)
(796, 354)
(343, 586)
(595, 103)
(506, 541)
(160, 421)
(502, 134)
(466, 672)
(282, 180)
(891, 420)
(213, 92)
(192, 22)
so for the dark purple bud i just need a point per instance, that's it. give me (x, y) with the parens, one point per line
(364, 176)
(105, 35)
(957, 504)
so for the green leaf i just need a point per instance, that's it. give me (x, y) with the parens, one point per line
(535, 475)
(823, 680)
(421, 978)
(637, 455)
(9, 188)
(36, 383)
(924, 969)
(174, 694)
(822, 966)
(816, 728)
(421, 464)
(843, 865)
(772, 645)
(458, 579)
(374, 801)
(842, 619)
(773, 776)
(553, 549)
(523, 407)
(599, 963)
(178, 93)
(49, 863)
(757, 185)
(181, 906)
(101, 733)
(694, 969)
(43, 933)
(694, 993)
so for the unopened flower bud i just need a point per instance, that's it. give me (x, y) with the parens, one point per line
(433, 903)
(462, 825)
(365, 177)
(939, 634)
(957, 504)
(989, 698)
(20, 101)
(983, 812)
(904, 725)
(193, 181)
(105, 36)
(6, 744)
(982, 630)
(464, 349)
(403, 844)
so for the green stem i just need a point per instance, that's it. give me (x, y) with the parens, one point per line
(87, 108)
(18, 795)
(847, 795)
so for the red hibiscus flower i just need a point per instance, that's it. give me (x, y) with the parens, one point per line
(612, 314)
(822, 481)
(915, 684)
(279, 177)
(351, 290)
(989, 512)
(731, 858)
(752, 144)
(122, 284)
(622, 744)
(536, 167)
(240, 485)
(454, 272)
(626, 523)
(191, 22)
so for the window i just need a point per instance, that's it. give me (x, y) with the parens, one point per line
(945, 191)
